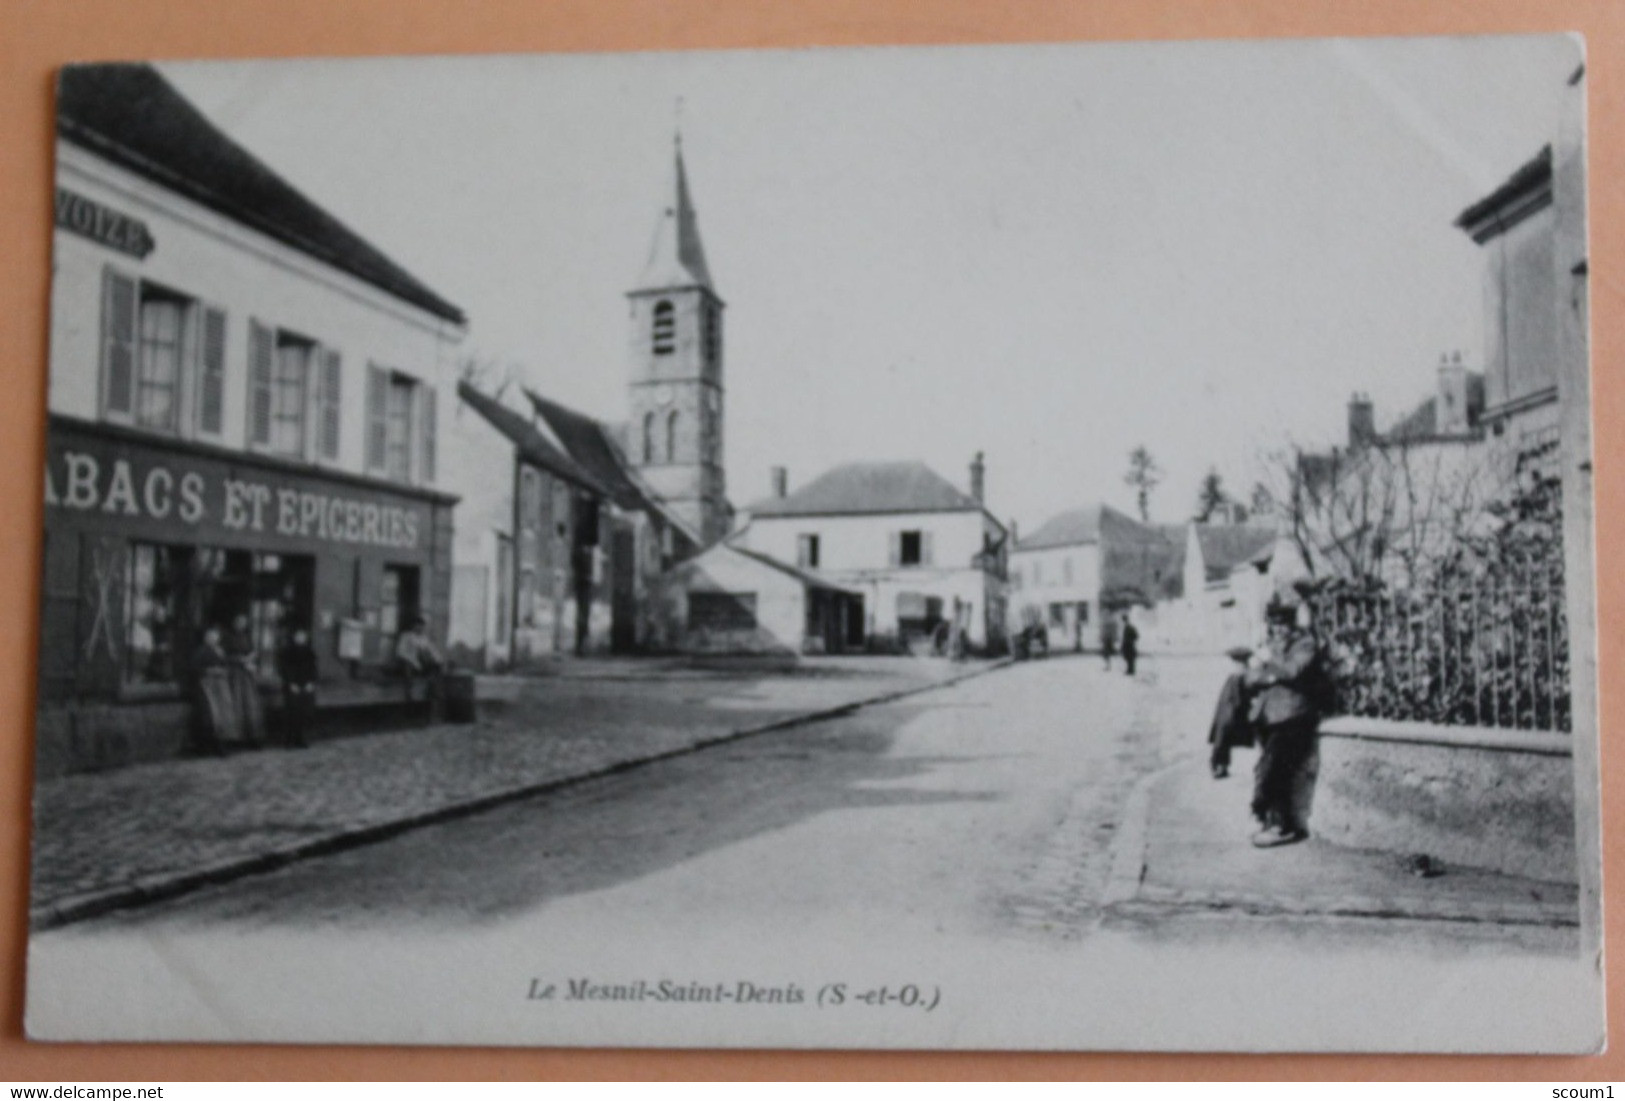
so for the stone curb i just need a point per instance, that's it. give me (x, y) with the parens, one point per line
(1355, 906)
(161, 886)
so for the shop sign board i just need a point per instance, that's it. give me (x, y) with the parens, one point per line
(194, 496)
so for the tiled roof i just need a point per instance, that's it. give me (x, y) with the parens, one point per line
(129, 114)
(531, 444)
(866, 488)
(1090, 525)
(589, 444)
(1066, 529)
(1530, 178)
(806, 577)
(1226, 546)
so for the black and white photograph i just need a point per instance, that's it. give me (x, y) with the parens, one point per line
(1024, 547)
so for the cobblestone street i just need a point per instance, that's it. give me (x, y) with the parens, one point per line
(146, 826)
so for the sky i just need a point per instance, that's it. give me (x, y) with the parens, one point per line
(1051, 254)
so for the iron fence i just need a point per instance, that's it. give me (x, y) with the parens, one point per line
(1490, 649)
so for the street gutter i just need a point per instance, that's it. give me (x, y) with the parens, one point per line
(69, 909)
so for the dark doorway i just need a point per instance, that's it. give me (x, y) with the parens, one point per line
(623, 629)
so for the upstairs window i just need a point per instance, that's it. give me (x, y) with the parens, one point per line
(163, 358)
(289, 394)
(664, 330)
(293, 394)
(158, 373)
(400, 426)
(910, 548)
(671, 436)
(807, 551)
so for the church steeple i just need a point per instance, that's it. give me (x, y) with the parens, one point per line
(675, 387)
(676, 257)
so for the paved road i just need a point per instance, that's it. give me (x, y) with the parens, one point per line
(988, 810)
(975, 809)
(959, 840)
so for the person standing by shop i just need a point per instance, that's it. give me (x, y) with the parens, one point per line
(297, 666)
(245, 688)
(214, 714)
(1292, 686)
(1131, 644)
(418, 658)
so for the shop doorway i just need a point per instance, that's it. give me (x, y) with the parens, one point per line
(398, 605)
(274, 592)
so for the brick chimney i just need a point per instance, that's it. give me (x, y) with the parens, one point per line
(1362, 420)
(781, 481)
(1451, 413)
(978, 478)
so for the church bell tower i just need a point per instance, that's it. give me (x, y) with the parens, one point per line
(674, 437)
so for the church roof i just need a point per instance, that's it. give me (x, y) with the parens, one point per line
(132, 116)
(676, 257)
(883, 487)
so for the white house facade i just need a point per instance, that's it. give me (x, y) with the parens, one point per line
(244, 407)
(927, 558)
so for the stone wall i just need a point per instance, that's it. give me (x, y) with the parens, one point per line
(1495, 799)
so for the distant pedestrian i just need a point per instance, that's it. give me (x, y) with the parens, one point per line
(296, 664)
(1108, 639)
(1292, 685)
(1131, 644)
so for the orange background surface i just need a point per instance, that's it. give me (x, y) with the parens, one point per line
(37, 36)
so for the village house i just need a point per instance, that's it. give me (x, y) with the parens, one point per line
(1525, 299)
(733, 600)
(568, 521)
(243, 416)
(1212, 612)
(1390, 500)
(557, 541)
(928, 558)
(1083, 566)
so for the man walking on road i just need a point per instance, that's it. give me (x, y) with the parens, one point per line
(1292, 684)
(1131, 644)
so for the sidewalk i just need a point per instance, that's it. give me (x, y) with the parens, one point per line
(108, 840)
(1186, 845)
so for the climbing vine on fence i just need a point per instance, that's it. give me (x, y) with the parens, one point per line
(1480, 640)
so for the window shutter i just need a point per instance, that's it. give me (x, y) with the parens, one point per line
(925, 548)
(427, 466)
(259, 384)
(894, 555)
(329, 387)
(118, 345)
(377, 396)
(211, 412)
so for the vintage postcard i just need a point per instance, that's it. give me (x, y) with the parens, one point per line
(1026, 547)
